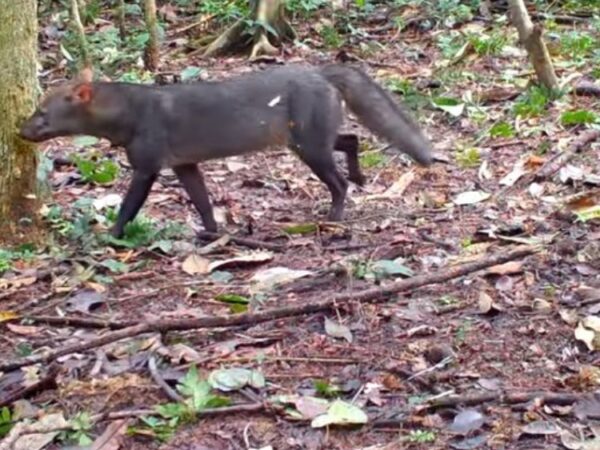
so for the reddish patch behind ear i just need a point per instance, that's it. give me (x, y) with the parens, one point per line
(83, 92)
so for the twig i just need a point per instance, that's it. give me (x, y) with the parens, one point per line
(511, 398)
(79, 322)
(373, 295)
(171, 393)
(251, 243)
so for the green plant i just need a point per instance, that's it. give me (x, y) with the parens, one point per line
(468, 157)
(81, 426)
(421, 436)
(372, 159)
(488, 45)
(103, 171)
(533, 102)
(578, 117)
(578, 44)
(305, 8)
(502, 129)
(411, 97)
(326, 389)
(197, 397)
(450, 43)
(331, 37)
(24, 252)
(225, 12)
(444, 12)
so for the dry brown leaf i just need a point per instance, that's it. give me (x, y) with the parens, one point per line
(508, 268)
(24, 330)
(194, 265)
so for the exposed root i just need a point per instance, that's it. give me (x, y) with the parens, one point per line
(226, 40)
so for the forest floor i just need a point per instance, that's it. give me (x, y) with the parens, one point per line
(477, 340)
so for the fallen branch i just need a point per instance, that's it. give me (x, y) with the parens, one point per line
(508, 398)
(373, 295)
(250, 243)
(554, 164)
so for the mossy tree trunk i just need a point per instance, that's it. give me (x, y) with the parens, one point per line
(270, 30)
(18, 93)
(152, 55)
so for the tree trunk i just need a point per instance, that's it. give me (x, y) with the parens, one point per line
(269, 13)
(151, 56)
(531, 38)
(18, 89)
(121, 19)
(80, 31)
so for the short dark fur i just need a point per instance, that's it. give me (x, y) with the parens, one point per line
(181, 125)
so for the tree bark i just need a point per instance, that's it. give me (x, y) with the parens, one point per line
(530, 36)
(152, 56)
(270, 13)
(80, 31)
(121, 19)
(18, 93)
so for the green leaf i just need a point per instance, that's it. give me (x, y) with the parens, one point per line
(340, 413)
(232, 298)
(85, 141)
(388, 268)
(190, 73)
(235, 378)
(236, 308)
(170, 410)
(301, 228)
(163, 245)
(502, 129)
(115, 266)
(450, 105)
(221, 276)
(5, 421)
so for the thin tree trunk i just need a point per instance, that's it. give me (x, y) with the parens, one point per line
(18, 93)
(80, 31)
(121, 19)
(530, 36)
(152, 56)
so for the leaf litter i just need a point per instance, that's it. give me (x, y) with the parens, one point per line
(271, 197)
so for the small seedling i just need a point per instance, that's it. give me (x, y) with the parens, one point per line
(421, 436)
(502, 129)
(578, 117)
(469, 157)
(325, 389)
